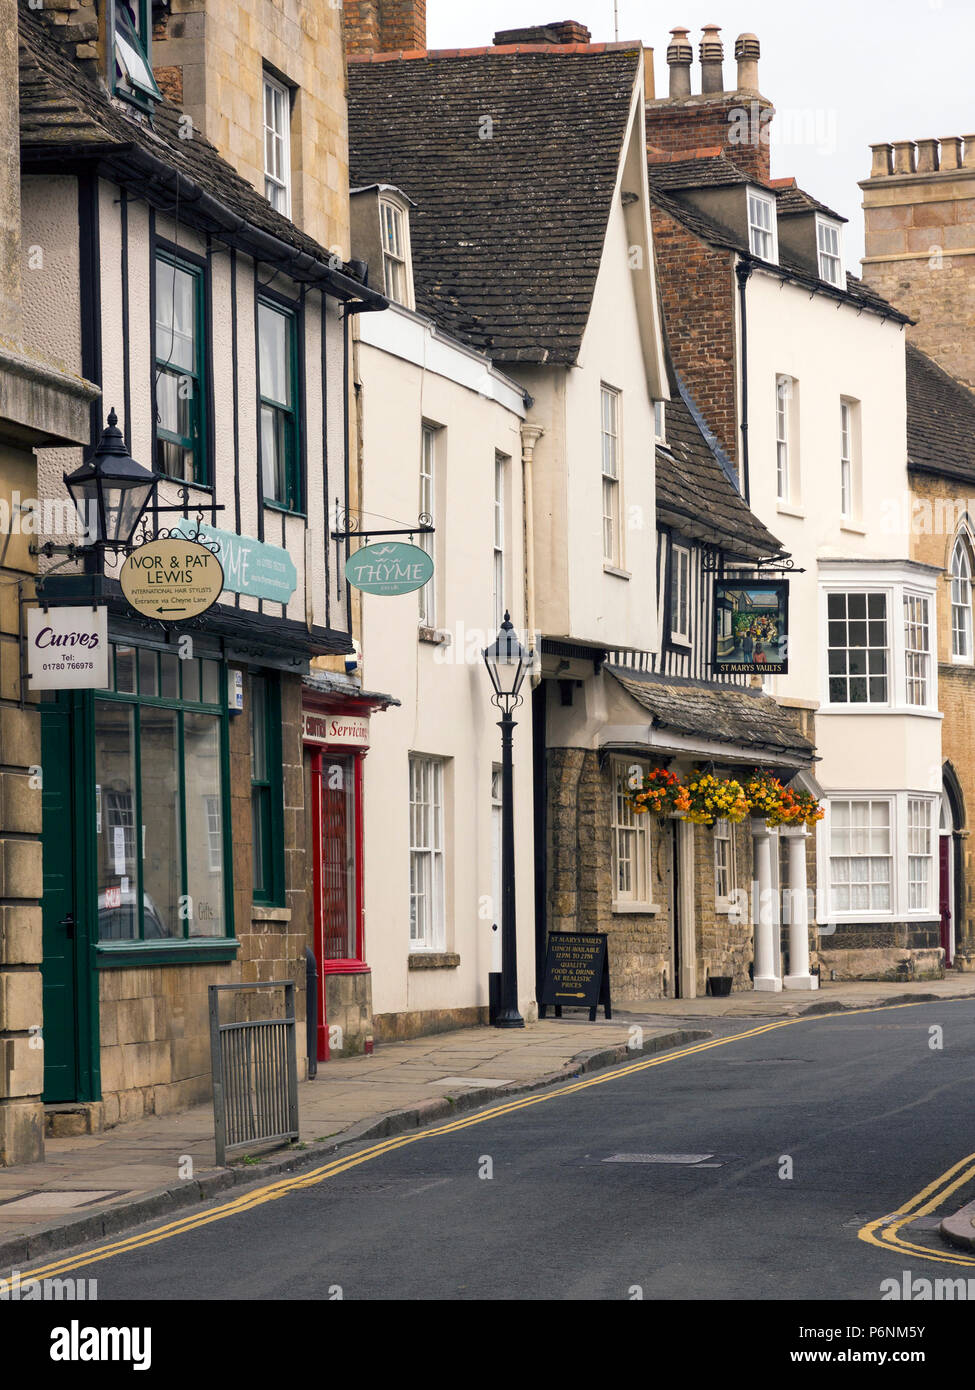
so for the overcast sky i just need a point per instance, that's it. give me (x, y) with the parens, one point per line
(841, 73)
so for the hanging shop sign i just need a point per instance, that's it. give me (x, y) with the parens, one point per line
(576, 973)
(350, 729)
(389, 567)
(172, 580)
(249, 566)
(751, 635)
(67, 648)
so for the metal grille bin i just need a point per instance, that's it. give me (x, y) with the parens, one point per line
(255, 1072)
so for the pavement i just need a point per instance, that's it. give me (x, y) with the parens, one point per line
(92, 1186)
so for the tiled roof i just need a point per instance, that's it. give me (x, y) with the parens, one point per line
(712, 171)
(62, 113)
(696, 496)
(721, 714)
(510, 217)
(940, 420)
(715, 234)
(792, 200)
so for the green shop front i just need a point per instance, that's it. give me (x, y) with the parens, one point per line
(170, 815)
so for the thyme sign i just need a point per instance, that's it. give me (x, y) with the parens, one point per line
(389, 567)
(172, 580)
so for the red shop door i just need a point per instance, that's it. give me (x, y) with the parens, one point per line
(946, 846)
(336, 779)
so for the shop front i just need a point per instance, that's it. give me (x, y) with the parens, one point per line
(335, 722)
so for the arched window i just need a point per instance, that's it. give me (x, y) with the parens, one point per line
(961, 601)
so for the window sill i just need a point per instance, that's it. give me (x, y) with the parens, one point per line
(647, 909)
(287, 511)
(915, 710)
(853, 528)
(200, 951)
(615, 571)
(438, 636)
(267, 912)
(787, 509)
(683, 642)
(433, 960)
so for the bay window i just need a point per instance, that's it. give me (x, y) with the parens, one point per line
(880, 856)
(857, 648)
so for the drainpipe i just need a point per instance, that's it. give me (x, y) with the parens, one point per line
(311, 1012)
(530, 435)
(743, 270)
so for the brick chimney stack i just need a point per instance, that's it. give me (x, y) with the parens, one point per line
(919, 219)
(558, 32)
(384, 26)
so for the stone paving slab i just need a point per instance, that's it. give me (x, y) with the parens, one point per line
(959, 1230)
(400, 1087)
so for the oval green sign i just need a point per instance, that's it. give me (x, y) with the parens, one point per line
(389, 568)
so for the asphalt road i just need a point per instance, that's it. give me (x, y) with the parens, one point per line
(800, 1136)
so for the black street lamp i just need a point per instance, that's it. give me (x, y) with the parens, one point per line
(507, 663)
(111, 487)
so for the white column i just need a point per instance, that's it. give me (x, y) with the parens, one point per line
(764, 916)
(798, 976)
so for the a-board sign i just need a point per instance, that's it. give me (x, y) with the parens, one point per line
(576, 973)
(172, 580)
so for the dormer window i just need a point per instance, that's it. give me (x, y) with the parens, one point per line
(660, 422)
(396, 260)
(133, 77)
(762, 235)
(828, 244)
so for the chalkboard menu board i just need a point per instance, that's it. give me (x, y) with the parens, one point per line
(576, 973)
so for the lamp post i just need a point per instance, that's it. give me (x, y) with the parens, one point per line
(113, 488)
(507, 663)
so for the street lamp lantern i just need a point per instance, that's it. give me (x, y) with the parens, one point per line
(111, 490)
(507, 663)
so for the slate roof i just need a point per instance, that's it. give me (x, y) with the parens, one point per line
(666, 197)
(712, 171)
(696, 496)
(507, 232)
(721, 714)
(64, 115)
(940, 420)
(791, 201)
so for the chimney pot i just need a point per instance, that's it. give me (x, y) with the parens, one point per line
(883, 162)
(927, 156)
(950, 152)
(969, 162)
(748, 50)
(680, 55)
(712, 58)
(904, 157)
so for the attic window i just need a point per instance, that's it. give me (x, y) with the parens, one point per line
(762, 234)
(133, 70)
(394, 226)
(660, 422)
(828, 243)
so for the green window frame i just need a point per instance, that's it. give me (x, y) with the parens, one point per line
(279, 389)
(130, 64)
(162, 776)
(267, 789)
(181, 356)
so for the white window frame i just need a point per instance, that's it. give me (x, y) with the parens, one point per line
(917, 649)
(786, 452)
(680, 595)
(426, 805)
(213, 810)
(960, 581)
(900, 581)
(277, 173)
(763, 232)
(830, 259)
(612, 474)
(909, 833)
(725, 864)
(394, 233)
(849, 459)
(866, 836)
(866, 592)
(501, 462)
(632, 831)
(430, 444)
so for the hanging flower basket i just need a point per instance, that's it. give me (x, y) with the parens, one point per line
(800, 808)
(660, 793)
(715, 798)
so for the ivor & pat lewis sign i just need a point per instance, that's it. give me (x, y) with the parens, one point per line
(67, 648)
(389, 567)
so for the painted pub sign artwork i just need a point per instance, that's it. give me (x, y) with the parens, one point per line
(751, 628)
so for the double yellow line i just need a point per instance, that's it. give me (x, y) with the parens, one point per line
(885, 1232)
(247, 1201)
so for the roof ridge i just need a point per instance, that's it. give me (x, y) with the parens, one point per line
(506, 49)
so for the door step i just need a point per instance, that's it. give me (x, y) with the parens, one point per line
(71, 1120)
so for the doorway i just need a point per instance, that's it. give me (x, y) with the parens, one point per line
(682, 914)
